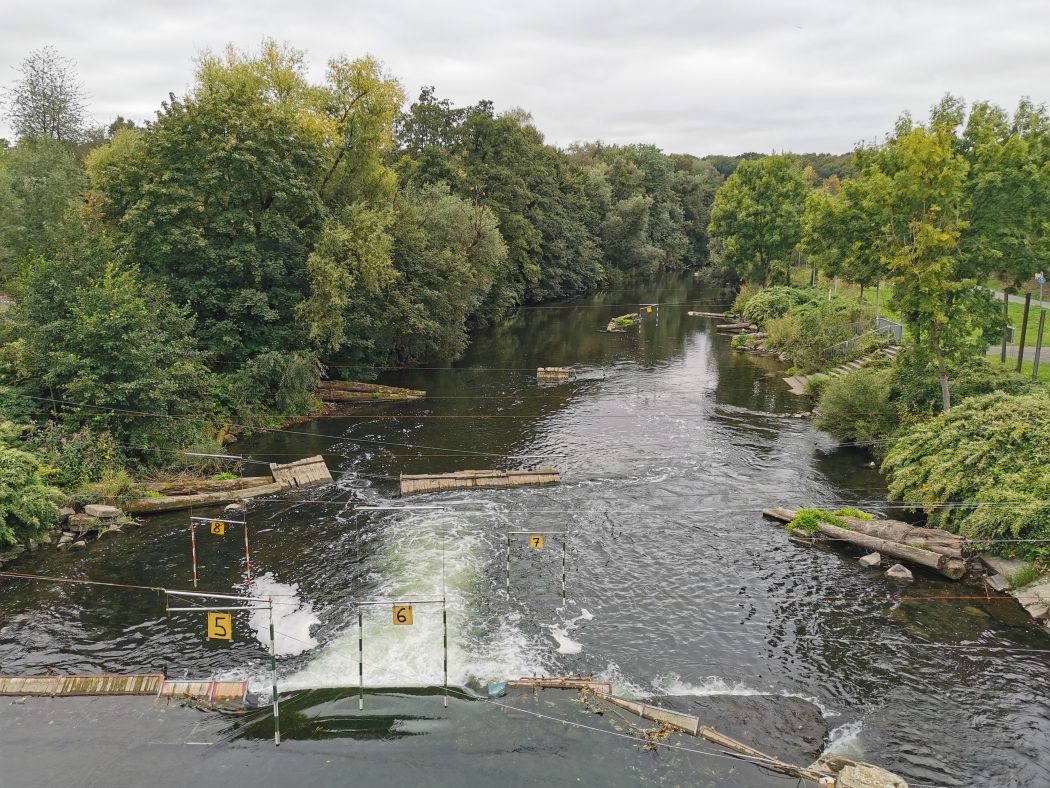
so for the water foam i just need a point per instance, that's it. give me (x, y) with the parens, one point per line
(845, 740)
(672, 684)
(292, 617)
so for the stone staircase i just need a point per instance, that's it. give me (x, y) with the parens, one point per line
(797, 383)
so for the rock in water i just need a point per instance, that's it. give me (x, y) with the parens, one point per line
(863, 775)
(102, 512)
(899, 572)
(870, 560)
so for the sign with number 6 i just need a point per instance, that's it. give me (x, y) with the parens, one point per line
(402, 615)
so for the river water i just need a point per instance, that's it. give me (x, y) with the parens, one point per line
(669, 444)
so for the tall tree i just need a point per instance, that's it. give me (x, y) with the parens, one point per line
(756, 218)
(47, 101)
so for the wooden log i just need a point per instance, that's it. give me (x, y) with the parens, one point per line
(688, 723)
(352, 391)
(194, 486)
(719, 315)
(174, 503)
(952, 568)
(946, 560)
(926, 538)
(417, 483)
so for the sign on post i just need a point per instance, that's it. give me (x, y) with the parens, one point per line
(536, 541)
(218, 528)
(403, 615)
(220, 626)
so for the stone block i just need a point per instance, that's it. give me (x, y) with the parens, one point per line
(870, 560)
(899, 572)
(84, 523)
(863, 775)
(64, 514)
(79, 544)
(1000, 583)
(102, 512)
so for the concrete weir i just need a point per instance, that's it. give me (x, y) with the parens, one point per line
(465, 480)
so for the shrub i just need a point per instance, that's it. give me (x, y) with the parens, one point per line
(747, 292)
(815, 385)
(28, 504)
(115, 487)
(739, 341)
(917, 388)
(76, 457)
(988, 453)
(1029, 573)
(782, 332)
(773, 302)
(857, 407)
(807, 519)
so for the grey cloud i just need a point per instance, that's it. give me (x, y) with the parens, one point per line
(700, 77)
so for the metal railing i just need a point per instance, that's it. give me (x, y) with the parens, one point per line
(882, 326)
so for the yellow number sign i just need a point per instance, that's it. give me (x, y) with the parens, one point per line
(217, 528)
(220, 626)
(402, 615)
(649, 309)
(536, 541)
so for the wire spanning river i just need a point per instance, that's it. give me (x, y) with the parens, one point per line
(669, 444)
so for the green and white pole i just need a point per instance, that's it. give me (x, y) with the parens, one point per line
(273, 669)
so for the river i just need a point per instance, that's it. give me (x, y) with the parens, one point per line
(669, 444)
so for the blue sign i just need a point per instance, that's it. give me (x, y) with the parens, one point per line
(1042, 280)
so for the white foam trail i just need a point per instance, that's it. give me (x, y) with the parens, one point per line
(413, 554)
(845, 740)
(672, 684)
(566, 645)
(292, 617)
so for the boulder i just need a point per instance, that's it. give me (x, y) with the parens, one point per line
(233, 507)
(113, 530)
(999, 582)
(12, 553)
(870, 560)
(899, 572)
(102, 512)
(863, 775)
(79, 544)
(31, 545)
(65, 539)
(84, 523)
(44, 538)
(64, 514)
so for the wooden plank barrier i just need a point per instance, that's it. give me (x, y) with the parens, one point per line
(460, 480)
(106, 684)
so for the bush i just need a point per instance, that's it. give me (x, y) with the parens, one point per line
(815, 385)
(857, 407)
(807, 519)
(76, 457)
(917, 387)
(739, 341)
(28, 504)
(782, 332)
(989, 452)
(747, 292)
(115, 487)
(773, 302)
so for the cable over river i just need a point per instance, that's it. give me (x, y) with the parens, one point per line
(669, 445)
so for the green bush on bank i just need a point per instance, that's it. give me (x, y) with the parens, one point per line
(28, 504)
(857, 407)
(774, 302)
(989, 452)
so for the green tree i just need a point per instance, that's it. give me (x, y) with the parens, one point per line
(28, 504)
(756, 219)
(47, 100)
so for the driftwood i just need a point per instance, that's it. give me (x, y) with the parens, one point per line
(563, 682)
(435, 482)
(951, 566)
(172, 503)
(195, 486)
(691, 724)
(351, 391)
(719, 315)
(548, 374)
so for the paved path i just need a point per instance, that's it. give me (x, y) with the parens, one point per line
(1019, 299)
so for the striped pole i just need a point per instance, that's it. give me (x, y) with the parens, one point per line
(360, 660)
(564, 547)
(444, 625)
(247, 554)
(273, 668)
(193, 549)
(508, 564)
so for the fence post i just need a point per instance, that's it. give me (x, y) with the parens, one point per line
(1024, 330)
(1038, 345)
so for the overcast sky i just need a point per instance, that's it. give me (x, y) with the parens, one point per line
(695, 77)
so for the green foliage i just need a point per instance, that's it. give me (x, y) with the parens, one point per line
(916, 387)
(857, 513)
(774, 302)
(114, 487)
(75, 457)
(739, 341)
(28, 504)
(987, 451)
(756, 219)
(223, 477)
(857, 407)
(1029, 573)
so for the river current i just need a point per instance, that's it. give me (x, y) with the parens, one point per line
(669, 444)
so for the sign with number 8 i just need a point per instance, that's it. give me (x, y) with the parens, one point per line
(218, 528)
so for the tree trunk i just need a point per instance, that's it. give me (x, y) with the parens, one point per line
(942, 370)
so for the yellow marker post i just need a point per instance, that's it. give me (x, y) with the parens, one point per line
(403, 615)
(220, 626)
(218, 528)
(536, 541)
